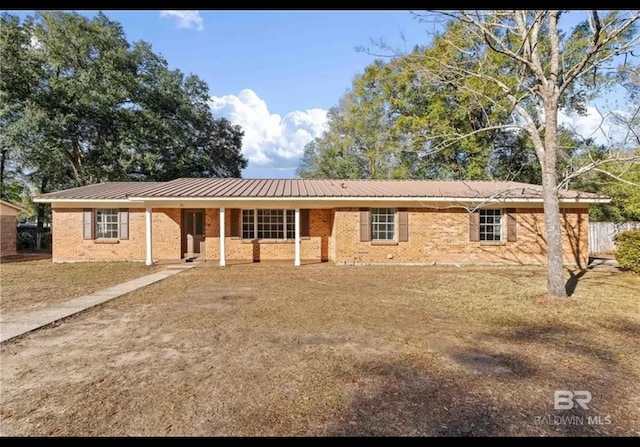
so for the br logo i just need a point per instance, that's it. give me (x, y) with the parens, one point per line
(566, 400)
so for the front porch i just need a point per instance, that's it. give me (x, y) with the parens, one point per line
(235, 236)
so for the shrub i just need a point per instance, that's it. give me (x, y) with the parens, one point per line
(628, 250)
(26, 240)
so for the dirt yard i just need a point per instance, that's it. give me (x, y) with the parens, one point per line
(29, 284)
(324, 350)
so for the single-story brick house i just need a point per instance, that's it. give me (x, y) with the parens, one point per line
(344, 221)
(8, 227)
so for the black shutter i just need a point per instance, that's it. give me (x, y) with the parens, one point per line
(234, 216)
(304, 223)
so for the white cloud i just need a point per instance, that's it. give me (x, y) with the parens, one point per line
(270, 139)
(35, 43)
(594, 124)
(186, 19)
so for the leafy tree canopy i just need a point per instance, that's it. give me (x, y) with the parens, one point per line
(79, 104)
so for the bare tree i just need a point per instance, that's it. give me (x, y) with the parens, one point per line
(527, 68)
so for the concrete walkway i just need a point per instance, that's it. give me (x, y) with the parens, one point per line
(21, 324)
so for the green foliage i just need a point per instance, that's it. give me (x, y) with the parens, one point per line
(392, 125)
(455, 109)
(12, 192)
(18, 193)
(80, 104)
(624, 191)
(628, 250)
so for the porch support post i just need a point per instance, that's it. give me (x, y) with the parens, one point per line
(222, 259)
(296, 261)
(147, 234)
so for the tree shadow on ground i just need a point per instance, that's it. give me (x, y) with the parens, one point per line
(499, 385)
(572, 282)
(562, 338)
(407, 401)
(623, 326)
(410, 402)
(25, 257)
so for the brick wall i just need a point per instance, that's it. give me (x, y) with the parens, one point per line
(314, 247)
(435, 236)
(8, 235)
(442, 236)
(166, 233)
(68, 244)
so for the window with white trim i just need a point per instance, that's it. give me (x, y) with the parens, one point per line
(107, 223)
(383, 224)
(491, 225)
(268, 224)
(291, 224)
(248, 224)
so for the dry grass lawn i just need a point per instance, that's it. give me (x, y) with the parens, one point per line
(27, 284)
(325, 350)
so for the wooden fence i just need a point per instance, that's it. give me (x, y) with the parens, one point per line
(602, 234)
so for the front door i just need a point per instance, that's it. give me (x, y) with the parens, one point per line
(193, 233)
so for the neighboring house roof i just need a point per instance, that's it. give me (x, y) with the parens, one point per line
(12, 205)
(204, 188)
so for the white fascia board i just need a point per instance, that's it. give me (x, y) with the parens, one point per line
(83, 203)
(362, 199)
(140, 202)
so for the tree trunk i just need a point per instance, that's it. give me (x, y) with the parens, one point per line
(555, 264)
(40, 220)
(40, 226)
(553, 228)
(3, 154)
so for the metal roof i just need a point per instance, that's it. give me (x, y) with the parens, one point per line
(101, 191)
(309, 188)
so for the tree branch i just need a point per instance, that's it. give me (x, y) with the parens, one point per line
(594, 166)
(585, 65)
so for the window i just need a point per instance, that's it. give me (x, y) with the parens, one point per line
(490, 225)
(291, 224)
(248, 224)
(106, 223)
(383, 224)
(268, 224)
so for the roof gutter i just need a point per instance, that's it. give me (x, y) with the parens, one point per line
(373, 198)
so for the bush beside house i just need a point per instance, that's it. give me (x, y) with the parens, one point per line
(28, 237)
(628, 250)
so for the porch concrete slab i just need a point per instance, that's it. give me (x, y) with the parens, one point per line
(29, 321)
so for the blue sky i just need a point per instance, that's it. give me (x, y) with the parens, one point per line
(274, 72)
(281, 64)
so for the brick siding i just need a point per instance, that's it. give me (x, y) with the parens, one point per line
(435, 236)
(442, 236)
(314, 247)
(68, 244)
(8, 235)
